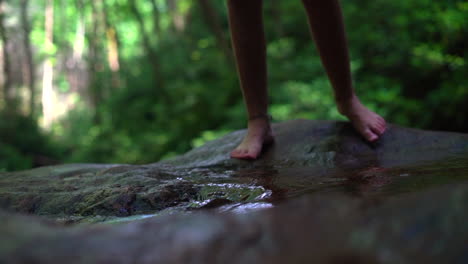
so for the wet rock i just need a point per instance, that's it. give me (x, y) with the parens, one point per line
(92, 190)
(319, 194)
(332, 144)
(309, 156)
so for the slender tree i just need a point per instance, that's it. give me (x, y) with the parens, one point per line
(30, 69)
(213, 22)
(6, 58)
(153, 57)
(94, 58)
(178, 19)
(79, 41)
(113, 45)
(156, 18)
(48, 95)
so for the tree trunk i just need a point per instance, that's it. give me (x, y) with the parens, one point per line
(113, 44)
(213, 22)
(156, 18)
(153, 57)
(79, 43)
(48, 95)
(95, 67)
(178, 19)
(30, 74)
(6, 59)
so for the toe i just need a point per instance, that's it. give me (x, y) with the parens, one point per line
(381, 122)
(234, 154)
(369, 135)
(377, 131)
(383, 127)
(378, 127)
(253, 153)
(249, 156)
(238, 153)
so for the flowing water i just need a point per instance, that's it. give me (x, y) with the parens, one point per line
(250, 189)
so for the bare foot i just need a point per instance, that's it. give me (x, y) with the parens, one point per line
(258, 134)
(369, 124)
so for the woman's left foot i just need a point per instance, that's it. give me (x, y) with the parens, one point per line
(369, 124)
(258, 135)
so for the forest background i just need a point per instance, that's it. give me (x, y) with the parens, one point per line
(137, 81)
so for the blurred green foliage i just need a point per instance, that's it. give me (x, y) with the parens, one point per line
(23, 145)
(409, 62)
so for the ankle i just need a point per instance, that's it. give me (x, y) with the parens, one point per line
(345, 105)
(267, 117)
(259, 124)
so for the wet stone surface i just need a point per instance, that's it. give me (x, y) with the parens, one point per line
(410, 186)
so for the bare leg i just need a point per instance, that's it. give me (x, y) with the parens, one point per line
(326, 23)
(248, 38)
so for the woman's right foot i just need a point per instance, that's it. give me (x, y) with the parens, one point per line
(369, 124)
(259, 133)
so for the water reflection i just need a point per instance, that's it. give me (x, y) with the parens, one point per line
(244, 208)
(256, 188)
(365, 181)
